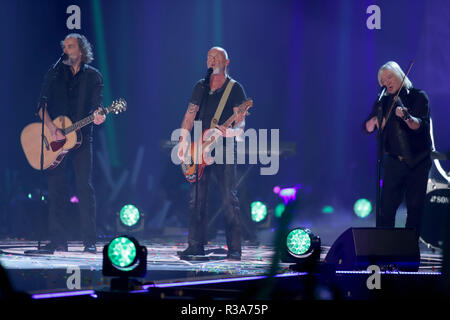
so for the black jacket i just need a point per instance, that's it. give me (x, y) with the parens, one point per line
(398, 138)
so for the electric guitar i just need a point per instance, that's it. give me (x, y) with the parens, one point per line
(55, 150)
(206, 144)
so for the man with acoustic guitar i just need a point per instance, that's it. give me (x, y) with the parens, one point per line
(75, 90)
(217, 91)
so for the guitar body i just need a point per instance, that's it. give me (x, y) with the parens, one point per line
(188, 169)
(54, 151)
(206, 143)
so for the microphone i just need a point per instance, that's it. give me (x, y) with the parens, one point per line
(208, 76)
(61, 59)
(383, 91)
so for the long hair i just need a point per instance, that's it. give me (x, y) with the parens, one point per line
(394, 67)
(85, 46)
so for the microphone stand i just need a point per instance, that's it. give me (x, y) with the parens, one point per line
(379, 160)
(205, 93)
(42, 105)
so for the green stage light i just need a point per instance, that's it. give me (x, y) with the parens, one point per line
(124, 257)
(259, 211)
(122, 252)
(298, 242)
(327, 209)
(362, 208)
(279, 209)
(302, 248)
(129, 215)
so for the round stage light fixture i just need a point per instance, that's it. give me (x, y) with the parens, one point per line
(258, 211)
(124, 257)
(301, 247)
(122, 253)
(362, 208)
(129, 215)
(298, 242)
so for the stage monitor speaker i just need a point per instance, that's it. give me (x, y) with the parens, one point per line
(388, 248)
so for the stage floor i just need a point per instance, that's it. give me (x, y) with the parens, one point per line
(49, 272)
(35, 274)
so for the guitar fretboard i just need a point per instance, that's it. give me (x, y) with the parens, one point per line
(83, 122)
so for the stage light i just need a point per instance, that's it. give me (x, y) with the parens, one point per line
(124, 257)
(129, 215)
(288, 195)
(30, 196)
(258, 211)
(122, 253)
(362, 208)
(327, 209)
(279, 209)
(130, 219)
(301, 247)
(298, 242)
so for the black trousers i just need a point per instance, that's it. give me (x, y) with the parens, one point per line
(226, 177)
(401, 181)
(81, 160)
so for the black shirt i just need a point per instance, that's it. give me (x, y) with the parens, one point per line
(209, 105)
(398, 138)
(211, 101)
(75, 96)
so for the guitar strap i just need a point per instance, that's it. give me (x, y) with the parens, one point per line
(223, 101)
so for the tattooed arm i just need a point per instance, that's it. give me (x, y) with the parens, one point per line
(187, 124)
(188, 121)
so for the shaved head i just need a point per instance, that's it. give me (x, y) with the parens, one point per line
(224, 52)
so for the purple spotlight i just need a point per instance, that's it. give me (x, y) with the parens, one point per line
(74, 199)
(276, 189)
(288, 194)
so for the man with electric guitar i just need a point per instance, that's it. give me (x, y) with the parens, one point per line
(216, 97)
(74, 90)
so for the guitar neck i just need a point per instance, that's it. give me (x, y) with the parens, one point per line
(230, 120)
(83, 122)
(241, 108)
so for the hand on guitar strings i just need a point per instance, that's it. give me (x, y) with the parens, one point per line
(58, 135)
(99, 118)
(182, 149)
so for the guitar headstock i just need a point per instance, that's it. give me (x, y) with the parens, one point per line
(117, 106)
(243, 108)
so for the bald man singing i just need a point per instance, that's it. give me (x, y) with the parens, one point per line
(204, 102)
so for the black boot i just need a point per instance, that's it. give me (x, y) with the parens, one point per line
(192, 251)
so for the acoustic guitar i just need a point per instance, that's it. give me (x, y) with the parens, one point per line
(55, 151)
